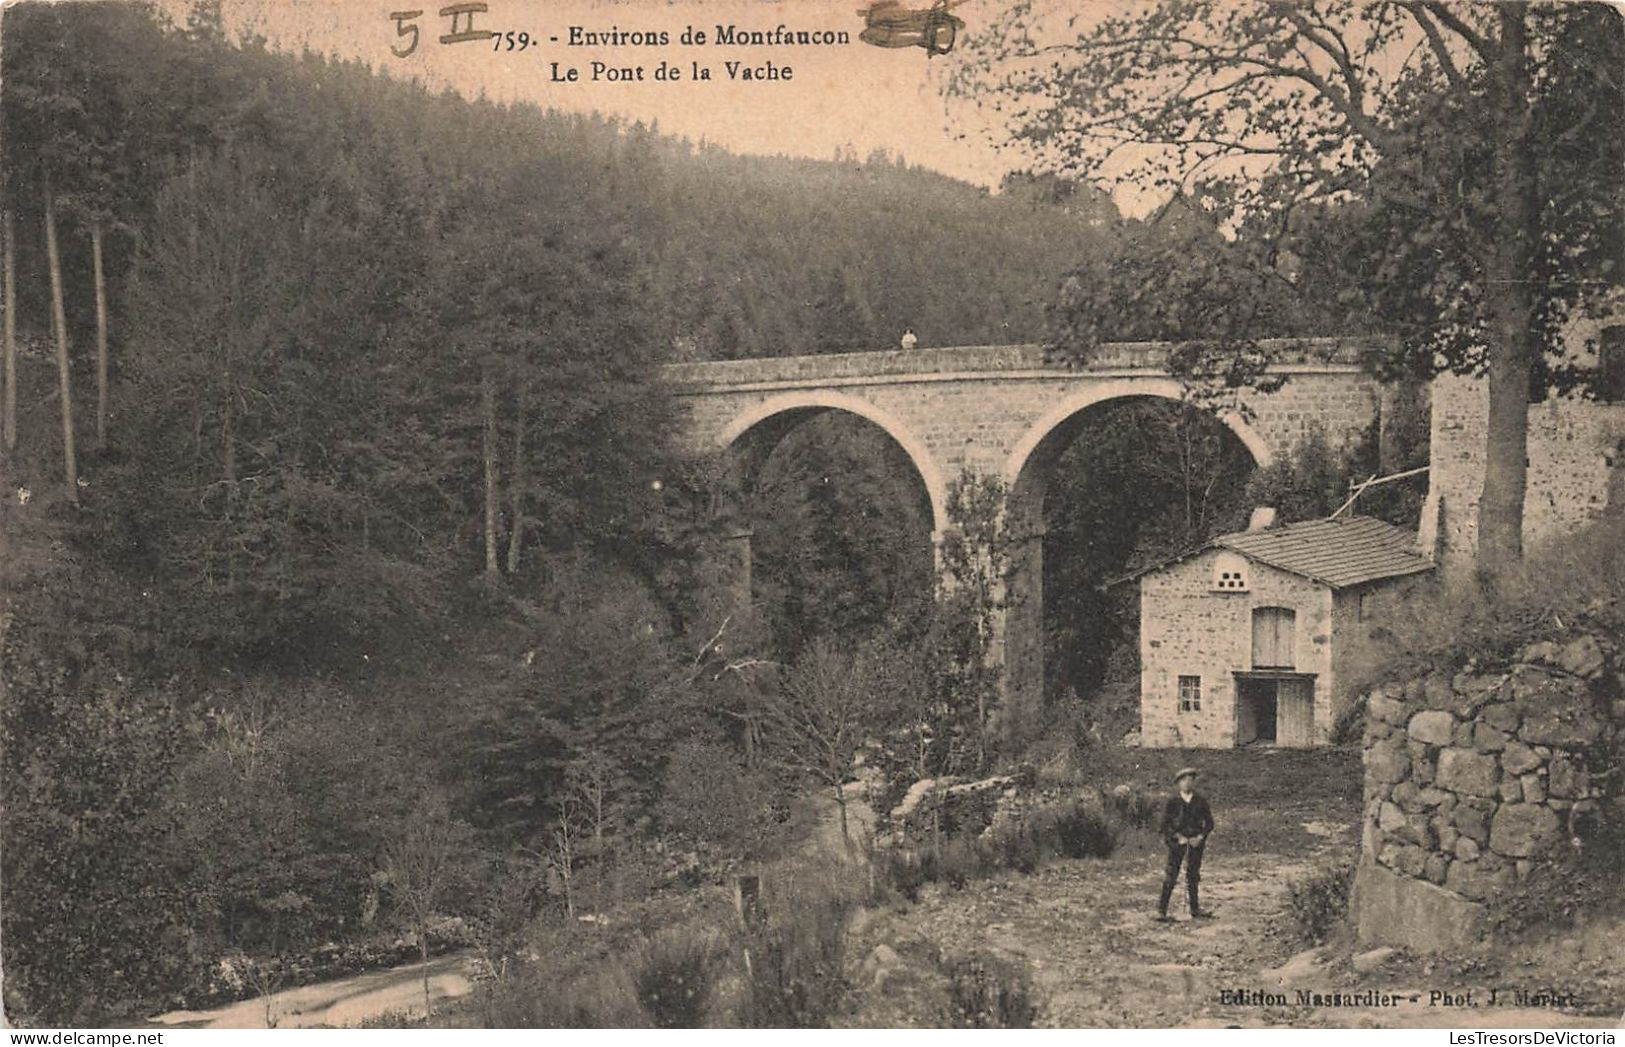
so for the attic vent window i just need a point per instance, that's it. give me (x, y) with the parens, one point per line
(1230, 573)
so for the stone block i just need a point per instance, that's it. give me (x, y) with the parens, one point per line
(1428, 796)
(1462, 735)
(1518, 758)
(1476, 880)
(1434, 727)
(1511, 791)
(1389, 909)
(1449, 837)
(1566, 728)
(1437, 692)
(1466, 771)
(1503, 716)
(1436, 869)
(1390, 818)
(1487, 739)
(1472, 822)
(1567, 779)
(1408, 796)
(1411, 860)
(1421, 830)
(1384, 709)
(1582, 657)
(1534, 788)
(1522, 829)
(1388, 761)
(1466, 850)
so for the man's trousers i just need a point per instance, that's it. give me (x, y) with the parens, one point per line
(1191, 858)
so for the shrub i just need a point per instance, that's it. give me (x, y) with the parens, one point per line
(988, 992)
(794, 977)
(537, 998)
(1570, 884)
(1319, 902)
(675, 978)
(1348, 727)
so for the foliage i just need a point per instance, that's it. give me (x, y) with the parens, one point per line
(91, 831)
(709, 794)
(1565, 590)
(1421, 169)
(988, 991)
(1571, 886)
(795, 978)
(1319, 901)
(675, 977)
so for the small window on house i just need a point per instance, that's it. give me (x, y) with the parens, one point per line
(1611, 364)
(1190, 694)
(1230, 573)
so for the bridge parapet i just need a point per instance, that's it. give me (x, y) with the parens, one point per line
(935, 364)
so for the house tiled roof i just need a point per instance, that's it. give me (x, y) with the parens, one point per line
(1340, 552)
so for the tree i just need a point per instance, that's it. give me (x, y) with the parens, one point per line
(1437, 117)
(425, 862)
(823, 711)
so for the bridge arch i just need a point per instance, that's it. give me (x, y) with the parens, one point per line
(788, 406)
(1047, 426)
(1028, 472)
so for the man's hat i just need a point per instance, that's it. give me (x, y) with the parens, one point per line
(1185, 772)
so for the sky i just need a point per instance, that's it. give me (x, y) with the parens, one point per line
(855, 94)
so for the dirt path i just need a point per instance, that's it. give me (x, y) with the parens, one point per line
(346, 1002)
(1085, 929)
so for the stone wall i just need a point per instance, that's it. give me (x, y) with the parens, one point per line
(1471, 778)
(1576, 466)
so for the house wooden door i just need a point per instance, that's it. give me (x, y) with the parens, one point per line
(1273, 636)
(1295, 712)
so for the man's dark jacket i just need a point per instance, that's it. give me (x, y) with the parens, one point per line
(1186, 819)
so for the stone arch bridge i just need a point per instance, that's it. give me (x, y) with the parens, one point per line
(1003, 412)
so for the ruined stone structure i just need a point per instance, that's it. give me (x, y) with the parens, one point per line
(1576, 469)
(1002, 412)
(1469, 779)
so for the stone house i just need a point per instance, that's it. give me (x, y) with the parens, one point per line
(1243, 641)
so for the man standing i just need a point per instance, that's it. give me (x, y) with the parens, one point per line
(1186, 822)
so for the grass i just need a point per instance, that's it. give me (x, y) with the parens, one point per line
(1319, 902)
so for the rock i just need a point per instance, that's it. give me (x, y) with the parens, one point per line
(1534, 789)
(1524, 867)
(1390, 818)
(1391, 910)
(1466, 850)
(1431, 797)
(1582, 657)
(1434, 727)
(1518, 758)
(1411, 860)
(1436, 869)
(1476, 880)
(1503, 716)
(1419, 829)
(1422, 766)
(1376, 730)
(1372, 959)
(1472, 822)
(1511, 791)
(1384, 709)
(1449, 838)
(1408, 796)
(1462, 735)
(1545, 651)
(1437, 692)
(1565, 728)
(1387, 761)
(1466, 771)
(1487, 739)
(1567, 779)
(1131, 740)
(1522, 829)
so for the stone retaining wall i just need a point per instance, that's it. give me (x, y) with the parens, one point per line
(1469, 779)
